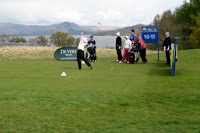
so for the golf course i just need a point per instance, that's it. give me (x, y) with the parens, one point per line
(110, 98)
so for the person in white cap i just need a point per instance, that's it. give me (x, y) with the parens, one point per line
(127, 47)
(118, 46)
(80, 52)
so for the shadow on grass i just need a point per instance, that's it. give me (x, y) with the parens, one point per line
(160, 69)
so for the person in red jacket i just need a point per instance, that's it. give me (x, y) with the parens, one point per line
(142, 47)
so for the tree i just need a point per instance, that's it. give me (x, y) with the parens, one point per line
(76, 42)
(194, 37)
(4, 38)
(157, 20)
(62, 39)
(42, 40)
(165, 22)
(186, 18)
(183, 23)
(70, 41)
(18, 40)
(187, 15)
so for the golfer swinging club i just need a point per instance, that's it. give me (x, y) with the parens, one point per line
(80, 53)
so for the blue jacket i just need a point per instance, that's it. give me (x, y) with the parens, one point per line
(92, 41)
(132, 37)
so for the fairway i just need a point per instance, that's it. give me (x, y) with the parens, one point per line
(111, 98)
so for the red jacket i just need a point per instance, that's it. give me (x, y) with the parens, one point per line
(143, 45)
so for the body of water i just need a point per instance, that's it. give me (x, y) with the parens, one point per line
(101, 41)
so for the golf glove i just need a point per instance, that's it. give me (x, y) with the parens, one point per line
(165, 48)
(168, 48)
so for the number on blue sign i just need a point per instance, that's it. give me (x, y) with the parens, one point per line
(153, 36)
(147, 36)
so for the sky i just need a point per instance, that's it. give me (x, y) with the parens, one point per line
(84, 12)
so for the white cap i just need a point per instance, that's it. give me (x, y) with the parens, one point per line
(118, 34)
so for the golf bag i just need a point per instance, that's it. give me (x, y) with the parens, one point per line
(134, 52)
(90, 54)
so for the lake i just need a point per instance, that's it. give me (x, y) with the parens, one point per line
(101, 41)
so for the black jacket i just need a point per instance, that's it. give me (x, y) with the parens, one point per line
(167, 42)
(118, 42)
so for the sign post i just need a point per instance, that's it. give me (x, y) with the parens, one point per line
(174, 55)
(150, 34)
(158, 52)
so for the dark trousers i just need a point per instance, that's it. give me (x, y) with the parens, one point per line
(80, 56)
(167, 57)
(119, 54)
(143, 55)
(95, 55)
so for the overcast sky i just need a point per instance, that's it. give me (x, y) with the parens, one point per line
(84, 12)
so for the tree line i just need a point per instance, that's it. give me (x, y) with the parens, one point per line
(183, 23)
(59, 39)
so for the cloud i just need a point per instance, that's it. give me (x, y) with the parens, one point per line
(87, 12)
(109, 14)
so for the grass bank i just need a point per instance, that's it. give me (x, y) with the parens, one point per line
(43, 53)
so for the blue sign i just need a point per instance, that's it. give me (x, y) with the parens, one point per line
(150, 34)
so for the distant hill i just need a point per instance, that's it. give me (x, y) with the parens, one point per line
(124, 31)
(35, 30)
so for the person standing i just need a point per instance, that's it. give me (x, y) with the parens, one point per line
(93, 43)
(132, 36)
(167, 46)
(127, 47)
(80, 52)
(142, 47)
(118, 46)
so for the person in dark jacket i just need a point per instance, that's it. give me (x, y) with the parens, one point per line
(93, 43)
(167, 46)
(118, 46)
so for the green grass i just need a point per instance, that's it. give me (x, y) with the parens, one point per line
(111, 98)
